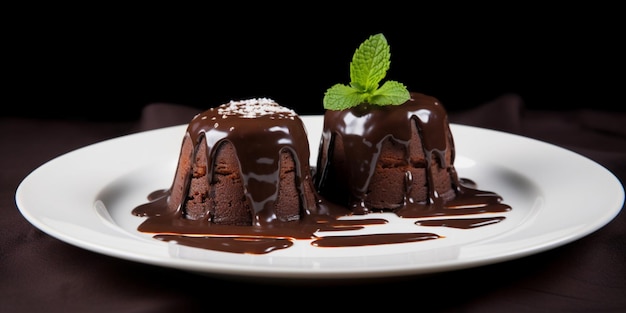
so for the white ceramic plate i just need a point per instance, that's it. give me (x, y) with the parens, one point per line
(85, 198)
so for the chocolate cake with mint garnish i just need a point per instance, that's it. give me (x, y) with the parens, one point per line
(384, 148)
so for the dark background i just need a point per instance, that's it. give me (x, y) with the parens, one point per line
(108, 64)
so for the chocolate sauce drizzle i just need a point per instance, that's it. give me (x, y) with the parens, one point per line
(274, 132)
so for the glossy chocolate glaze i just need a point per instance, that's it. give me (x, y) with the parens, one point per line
(275, 131)
(363, 129)
(462, 223)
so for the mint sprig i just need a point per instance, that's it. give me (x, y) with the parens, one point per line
(368, 68)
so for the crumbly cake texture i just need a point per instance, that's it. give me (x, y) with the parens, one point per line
(233, 164)
(412, 159)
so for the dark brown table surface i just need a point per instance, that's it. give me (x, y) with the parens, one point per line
(39, 273)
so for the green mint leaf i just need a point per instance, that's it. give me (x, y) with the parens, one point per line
(390, 93)
(341, 97)
(368, 68)
(370, 63)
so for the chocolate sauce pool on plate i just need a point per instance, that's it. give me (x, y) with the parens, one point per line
(269, 234)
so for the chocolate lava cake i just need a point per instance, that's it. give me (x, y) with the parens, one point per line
(244, 163)
(385, 158)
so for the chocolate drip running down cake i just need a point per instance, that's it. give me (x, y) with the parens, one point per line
(244, 163)
(392, 158)
(253, 172)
